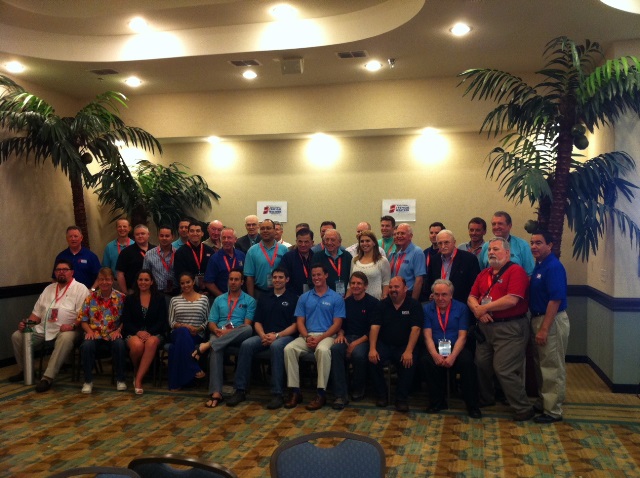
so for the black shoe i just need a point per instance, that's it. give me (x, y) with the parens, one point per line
(474, 412)
(538, 409)
(43, 385)
(545, 419)
(237, 397)
(402, 406)
(489, 404)
(437, 408)
(276, 402)
(19, 377)
(356, 397)
(339, 403)
(524, 416)
(382, 403)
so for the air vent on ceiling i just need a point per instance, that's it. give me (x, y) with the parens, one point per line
(292, 65)
(242, 63)
(105, 72)
(352, 54)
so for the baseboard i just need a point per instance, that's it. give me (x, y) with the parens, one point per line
(614, 387)
(7, 362)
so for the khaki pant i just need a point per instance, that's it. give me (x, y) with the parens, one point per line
(322, 352)
(61, 350)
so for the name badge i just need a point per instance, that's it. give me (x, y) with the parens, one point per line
(406, 312)
(200, 281)
(269, 280)
(53, 316)
(486, 300)
(305, 288)
(340, 289)
(444, 347)
(229, 325)
(82, 261)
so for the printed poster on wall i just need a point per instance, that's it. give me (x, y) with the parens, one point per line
(402, 210)
(275, 210)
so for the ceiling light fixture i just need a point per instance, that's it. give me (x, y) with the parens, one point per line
(14, 67)
(133, 81)
(138, 24)
(373, 65)
(250, 74)
(631, 6)
(460, 29)
(214, 139)
(284, 11)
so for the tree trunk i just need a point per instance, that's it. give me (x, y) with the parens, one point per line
(79, 211)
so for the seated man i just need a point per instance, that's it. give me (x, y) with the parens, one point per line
(100, 321)
(446, 322)
(353, 341)
(319, 316)
(230, 324)
(275, 326)
(393, 337)
(58, 307)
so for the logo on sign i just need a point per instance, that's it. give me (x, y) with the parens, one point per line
(277, 210)
(398, 208)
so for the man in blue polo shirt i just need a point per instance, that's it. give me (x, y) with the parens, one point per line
(183, 233)
(113, 249)
(408, 260)
(520, 251)
(222, 262)
(549, 325)
(319, 316)
(86, 264)
(262, 258)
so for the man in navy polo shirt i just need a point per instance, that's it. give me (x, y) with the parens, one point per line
(222, 262)
(549, 325)
(86, 264)
(298, 262)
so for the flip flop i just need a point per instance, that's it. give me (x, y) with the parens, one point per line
(200, 375)
(213, 402)
(197, 353)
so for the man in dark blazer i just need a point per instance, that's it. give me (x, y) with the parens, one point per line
(252, 224)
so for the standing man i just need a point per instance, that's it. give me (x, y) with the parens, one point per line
(160, 262)
(85, 263)
(477, 228)
(324, 227)
(275, 326)
(252, 237)
(393, 337)
(432, 250)
(336, 260)
(297, 262)
(387, 227)
(131, 260)
(194, 256)
(319, 315)
(55, 314)
(408, 261)
(520, 251)
(262, 259)
(353, 248)
(216, 278)
(549, 325)
(214, 229)
(113, 249)
(498, 300)
(230, 324)
(352, 342)
(279, 232)
(183, 233)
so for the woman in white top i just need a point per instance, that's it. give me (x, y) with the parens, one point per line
(373, 264)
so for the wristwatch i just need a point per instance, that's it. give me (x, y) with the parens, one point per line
(277, 335)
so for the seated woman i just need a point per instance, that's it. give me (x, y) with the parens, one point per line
(144, 323)
(373, 264)
(100, 320)
(188, 317)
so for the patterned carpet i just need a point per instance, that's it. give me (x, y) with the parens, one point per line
(44, 433)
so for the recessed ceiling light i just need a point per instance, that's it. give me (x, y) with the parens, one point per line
(138, 24)
(14, 67)
(133, 81)
(632, 6)
(250, 74)
(214, 139)
(373, 65)
(460, 29)
(284, 11)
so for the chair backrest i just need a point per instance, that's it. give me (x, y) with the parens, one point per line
(98, 471)
(355, 456)
(159, 466)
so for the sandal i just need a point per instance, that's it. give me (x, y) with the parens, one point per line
(213, 401)
(197, 352)
(200, 375)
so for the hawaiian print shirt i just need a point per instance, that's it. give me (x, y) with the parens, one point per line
(102, 314)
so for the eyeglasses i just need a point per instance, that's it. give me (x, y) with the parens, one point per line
(61, 270)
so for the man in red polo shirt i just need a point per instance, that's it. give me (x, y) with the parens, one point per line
(499, 301)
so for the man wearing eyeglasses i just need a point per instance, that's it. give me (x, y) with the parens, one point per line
(55, 315)
(251, 224)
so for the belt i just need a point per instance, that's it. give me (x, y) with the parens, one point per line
(508, 319)
(536, 314)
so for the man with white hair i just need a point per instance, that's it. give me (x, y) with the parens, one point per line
(408, 260)
(336, 260)
(214, 229)
(251, 224)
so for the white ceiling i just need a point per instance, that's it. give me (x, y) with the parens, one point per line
(192, 41)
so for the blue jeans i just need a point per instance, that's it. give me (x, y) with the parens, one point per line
(252, 346)
(88, 354)
(216, 358)
(359, 359)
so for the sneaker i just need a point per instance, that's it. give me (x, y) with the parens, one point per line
(237, 397)
(87, 387)
(276, 402)
(121, 386)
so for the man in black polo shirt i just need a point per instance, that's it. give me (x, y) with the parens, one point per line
(193, 257)
(352, 341)
(298, 262)
(275, 327)
(131, 259)
(393, 337)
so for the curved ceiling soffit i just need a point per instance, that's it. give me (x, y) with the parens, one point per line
(304, 33)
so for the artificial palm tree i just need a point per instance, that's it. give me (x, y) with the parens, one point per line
(69, 143)
(164, 194)
(536, 160)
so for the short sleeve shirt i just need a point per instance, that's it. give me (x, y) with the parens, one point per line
(223, 310)
(319, 311)
(514, 281)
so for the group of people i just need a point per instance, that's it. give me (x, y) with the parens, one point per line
(470, 308)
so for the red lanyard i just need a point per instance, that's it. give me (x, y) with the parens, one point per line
(118, 244)
(428, 259)
(443, 271)
(397, 261)
(231, 307)
(166, 266)
(195, 257)
(226, 261)
(271, 261)
(304, 266)
(333, 264)
(446, 320)
(386, 251)
(59, 297)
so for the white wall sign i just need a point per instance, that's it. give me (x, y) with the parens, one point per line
(275, 210)
(401, 210)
